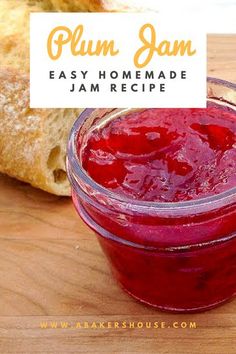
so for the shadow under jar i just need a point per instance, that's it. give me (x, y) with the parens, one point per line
(168, 224)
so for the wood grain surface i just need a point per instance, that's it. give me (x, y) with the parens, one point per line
(52, 272)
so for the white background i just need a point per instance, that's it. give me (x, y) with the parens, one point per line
(124, 29)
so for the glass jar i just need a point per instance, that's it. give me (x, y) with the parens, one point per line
(177, 256)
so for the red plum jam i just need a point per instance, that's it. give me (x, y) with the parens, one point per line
(158, 186)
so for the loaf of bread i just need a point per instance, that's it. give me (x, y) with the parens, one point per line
(101, 5)
(33, 141)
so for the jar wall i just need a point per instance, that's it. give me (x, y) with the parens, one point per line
(174, 258)
(189, 280)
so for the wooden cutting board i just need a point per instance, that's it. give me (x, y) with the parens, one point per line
(52, 270)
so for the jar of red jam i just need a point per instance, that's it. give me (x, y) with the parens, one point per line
(158, 187)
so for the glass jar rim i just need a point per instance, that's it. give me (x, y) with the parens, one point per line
(196, 205)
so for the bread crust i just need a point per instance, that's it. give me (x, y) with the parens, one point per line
(26, 141)
(25, 146)
(97, 5)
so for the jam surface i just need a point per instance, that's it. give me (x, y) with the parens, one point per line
(165, 155)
